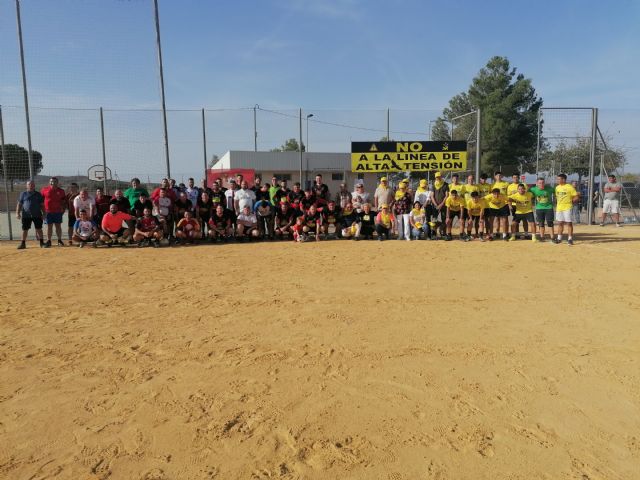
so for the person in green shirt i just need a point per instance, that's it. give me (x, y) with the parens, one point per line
(544, 206)
(273, 189)
(133, 192)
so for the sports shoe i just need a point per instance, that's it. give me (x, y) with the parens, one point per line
(618, 225)
(534, 239)
(47, 244)
(556, 241)
(512, 238)
(570, 241)
(60, 243)
(602, 224)
(81, 245)
(22, 246)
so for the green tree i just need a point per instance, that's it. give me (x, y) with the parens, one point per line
(509, 107)
(16, 165)
(291, 145)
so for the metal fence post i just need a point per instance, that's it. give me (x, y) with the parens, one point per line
(4, 174)
(104, 153)
(300, 148)
(24, 91)
(161, 74)
(538, 145)
(204, 146)
(592, 163)
(478, 139)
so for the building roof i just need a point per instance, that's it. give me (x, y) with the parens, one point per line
(284, 161)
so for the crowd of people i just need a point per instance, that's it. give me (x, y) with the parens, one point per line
(178, 214)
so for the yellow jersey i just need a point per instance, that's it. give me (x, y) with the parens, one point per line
(497, 202)
(512, 189)
(503, 186)
(459, 187)
(523, 202)
(468, 189)
(564, 197)
(476, 208)
(454, 204)
(484, 189)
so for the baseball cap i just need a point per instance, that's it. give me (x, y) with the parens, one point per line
(438, 174)
(384, 205)
(423, 182)
(383, 179)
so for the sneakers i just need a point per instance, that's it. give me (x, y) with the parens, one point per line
(22, 246)
(602, 224)
(618, 225)
(60, 243)
(47, 244)
(512, 238)
(556, 241)
(534, 239)
(570, 241)
(41, 243)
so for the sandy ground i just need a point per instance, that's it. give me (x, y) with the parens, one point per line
(343, 360)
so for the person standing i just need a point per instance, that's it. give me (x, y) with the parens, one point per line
(401, 208)
(320, 189)
(440, 190)
(359, 197)
(71, 195)
(383, 194)
(566, 196)
(522, 207)
(54, 205)
(575, 209)
(193, 192)
(544, 207)
(611, 202)
(30, 209)
(343, 197)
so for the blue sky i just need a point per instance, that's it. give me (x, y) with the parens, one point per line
(343, 60)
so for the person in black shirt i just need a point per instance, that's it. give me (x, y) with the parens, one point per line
(264, 213)
(296, 195)
(282, 194)
(263, 193)
(320, 189)
(367, 222)
(181, 205)
(256, 185)
(220, 224)
(306, 201)
(312, 222)
(285, 218)
(331, 220)
(203, 211)
(140, 204)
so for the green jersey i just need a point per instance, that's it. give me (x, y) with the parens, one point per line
(132, 194)
(543, 197)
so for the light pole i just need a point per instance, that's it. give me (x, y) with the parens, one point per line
(307, 145)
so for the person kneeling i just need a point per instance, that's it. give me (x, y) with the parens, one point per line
(148, 229)
(247, 224)
(220, 225)
(112, 229)
(384, 222)
(84, 230)
(188, 228)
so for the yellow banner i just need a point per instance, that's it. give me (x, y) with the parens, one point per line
(408, 161)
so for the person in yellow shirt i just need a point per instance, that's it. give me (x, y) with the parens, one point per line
(497, 211)
(484, 188)
(470, 187)
(475, 216)
(522, 207)
(455, 206)
(456, 185)
(512, 189)
(500, 184)
(566, 196)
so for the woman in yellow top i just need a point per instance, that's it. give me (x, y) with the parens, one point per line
(384, 222)
(419, 224)
(455, 206)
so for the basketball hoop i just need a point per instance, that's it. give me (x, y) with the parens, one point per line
(98, 173)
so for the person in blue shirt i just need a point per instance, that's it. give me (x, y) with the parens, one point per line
(30, 209)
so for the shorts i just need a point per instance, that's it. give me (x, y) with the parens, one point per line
(71, 221)
(527, 217)
(503, 212)
(119, 233)
(564, 216)
(544, 215)
(26, 223)
(453, 214)
(610, 206)
(52, 218)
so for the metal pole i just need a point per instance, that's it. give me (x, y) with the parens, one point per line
(161, 73)
(204, 147)
(104, 153)
(478, 144)
(592, 163)
(24, 91)
(538, 145)
(388, 132)
(600, 186)
(255, 127)
(300, 148)
(4, 175)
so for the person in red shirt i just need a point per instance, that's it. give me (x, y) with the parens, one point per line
(54, 205)
(188, 228)
(112, 229)
(171, 193)
(148, 230)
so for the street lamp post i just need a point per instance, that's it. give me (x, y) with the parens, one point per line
(307, 145)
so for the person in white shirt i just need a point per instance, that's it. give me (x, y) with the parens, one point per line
(84, 202)
(230, 195)
(359, 197)
(193, 192)
(244, 197)
(247, 224)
